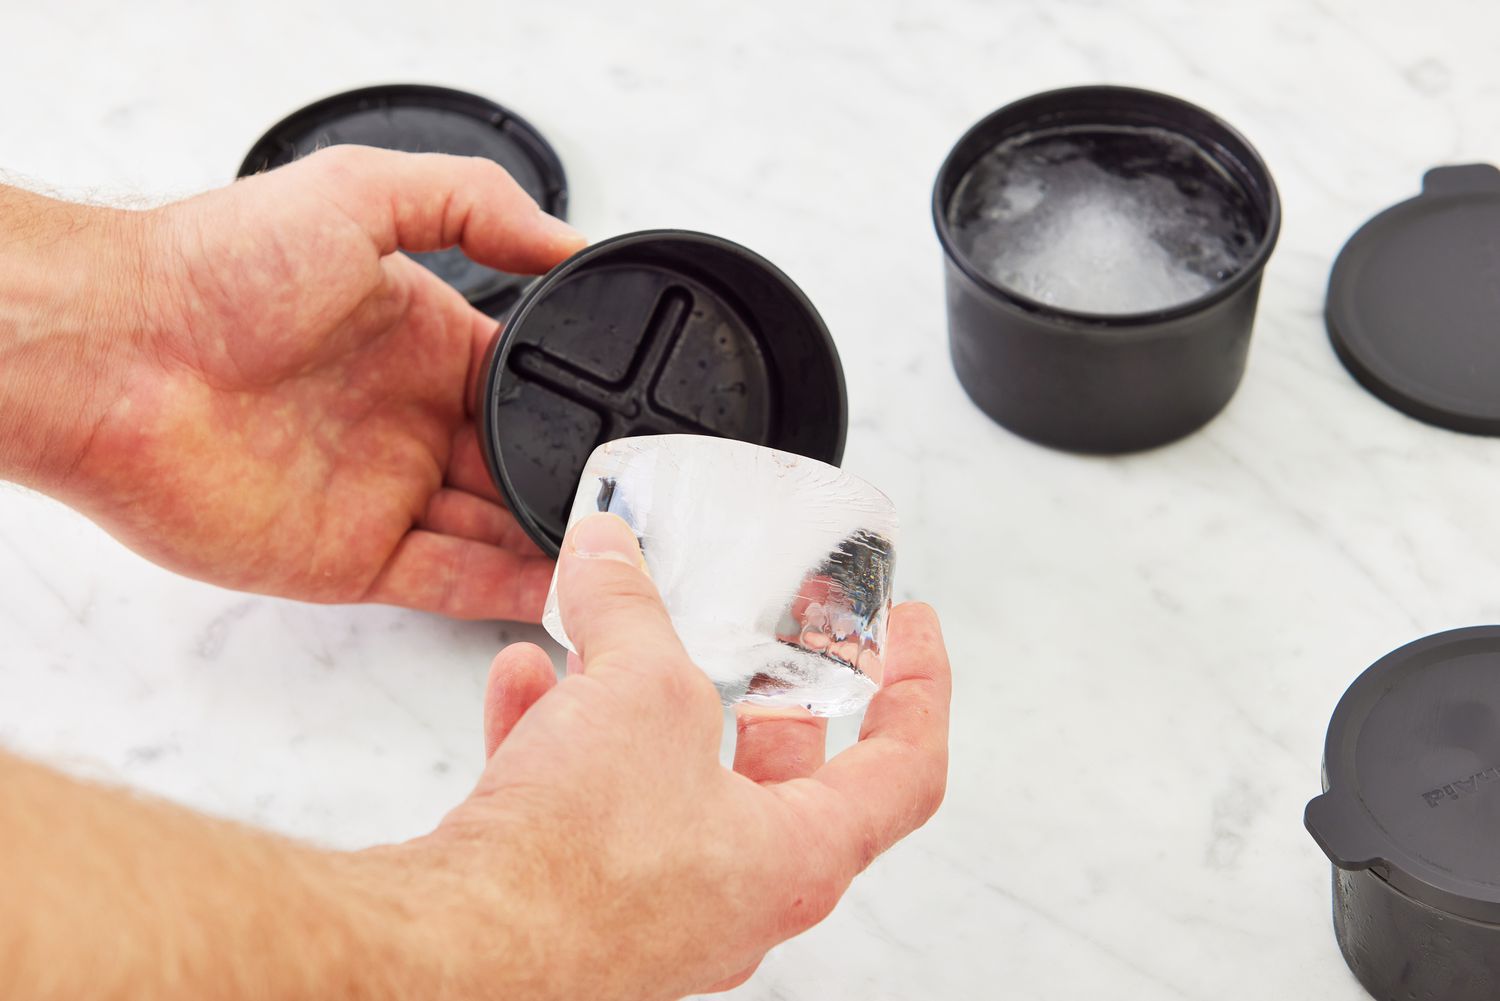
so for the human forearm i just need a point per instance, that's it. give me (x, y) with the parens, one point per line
(604, 854)
(107, 895)
(73, 309)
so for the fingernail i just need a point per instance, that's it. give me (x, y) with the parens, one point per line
(559, 230)
(605, 537)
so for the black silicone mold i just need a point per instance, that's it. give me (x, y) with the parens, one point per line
(656, 332)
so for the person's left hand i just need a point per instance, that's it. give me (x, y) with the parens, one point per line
(292, 417)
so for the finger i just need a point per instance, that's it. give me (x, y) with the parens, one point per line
(575, 663)
(889, 783)
(448, 309)
(428, 201)
(918, 682)
(483, 331)
(611, 610)
(730, 983)
(521, 674)
(462, 514)
(462, 579)
(467, 470)
(774, 745)
(387, 307)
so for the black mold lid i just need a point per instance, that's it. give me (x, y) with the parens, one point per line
(416, 118)
(1414, 298)
(1411, 773)
(656, 332)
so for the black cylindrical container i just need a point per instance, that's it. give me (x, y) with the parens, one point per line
(1094, 382)
(656, 332)
(1410, 818)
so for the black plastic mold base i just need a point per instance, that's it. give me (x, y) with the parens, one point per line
(659, 332)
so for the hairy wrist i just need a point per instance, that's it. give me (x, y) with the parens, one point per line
(74, 313)
(455, 928)
(134, 897)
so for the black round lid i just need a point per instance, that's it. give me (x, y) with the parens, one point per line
(1413, 300)
(656, 332)
(416, 118)
(1411, 771)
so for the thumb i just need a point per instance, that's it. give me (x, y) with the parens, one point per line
(611, 610)
(520, 675)
(428, 201)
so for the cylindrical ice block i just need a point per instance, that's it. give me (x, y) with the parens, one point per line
(775, 568)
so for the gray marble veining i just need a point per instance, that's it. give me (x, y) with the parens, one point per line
(1147, 649)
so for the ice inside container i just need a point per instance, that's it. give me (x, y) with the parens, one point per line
(1103, 219)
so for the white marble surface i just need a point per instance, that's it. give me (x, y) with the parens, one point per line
(1146, 649)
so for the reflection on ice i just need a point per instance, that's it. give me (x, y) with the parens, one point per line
(776, 569)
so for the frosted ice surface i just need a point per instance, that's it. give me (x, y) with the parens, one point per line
(776, 569)
(1108, 220)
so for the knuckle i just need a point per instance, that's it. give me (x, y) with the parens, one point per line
(739, 978)
(684, 684)
(487, 172)
(622, 602)
(612, 580)
(932, 792)
(338, 160)
(341, 169)
(868, 847)
(608, 660)
(818, 899)
(484, 167)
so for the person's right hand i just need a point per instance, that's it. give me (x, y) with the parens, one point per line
(639, 867)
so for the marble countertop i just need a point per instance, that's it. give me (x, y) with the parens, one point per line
(1146, 649)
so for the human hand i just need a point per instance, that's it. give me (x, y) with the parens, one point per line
(604, 825)
(292, 415)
